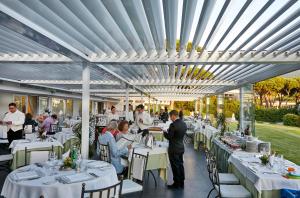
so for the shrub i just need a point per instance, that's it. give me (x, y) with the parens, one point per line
(273, 115)
(291, 120)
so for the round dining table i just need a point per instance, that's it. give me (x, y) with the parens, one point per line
(50, 181)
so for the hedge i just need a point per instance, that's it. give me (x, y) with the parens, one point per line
(291, 120)
(273, 115)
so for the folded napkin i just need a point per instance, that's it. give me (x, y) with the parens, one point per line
(27, 175)
(76, 178)
(98, 164)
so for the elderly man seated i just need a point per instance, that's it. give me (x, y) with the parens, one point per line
(115, 152)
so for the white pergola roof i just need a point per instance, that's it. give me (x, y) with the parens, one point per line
(132, 43)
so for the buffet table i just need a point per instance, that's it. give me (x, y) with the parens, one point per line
(260, 180)
(222, 153)
(18, 149)
(49, 183)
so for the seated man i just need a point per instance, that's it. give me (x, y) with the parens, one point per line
(115, 152)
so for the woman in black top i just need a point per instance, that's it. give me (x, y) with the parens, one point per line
(30, 121)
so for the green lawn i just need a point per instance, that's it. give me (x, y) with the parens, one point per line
(285, 140)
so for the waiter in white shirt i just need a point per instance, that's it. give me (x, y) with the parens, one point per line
(14, 120)
(143, 119)
(113, 115)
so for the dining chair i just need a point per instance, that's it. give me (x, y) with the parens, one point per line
(137, 170)
(105, 152)
(113, 191)
(53, 129)
(5, 160)
(227, 190)
(224, 178)
(37, 155)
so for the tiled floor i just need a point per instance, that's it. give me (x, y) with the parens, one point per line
(197, 184)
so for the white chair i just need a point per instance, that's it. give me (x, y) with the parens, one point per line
(136, 174)
(224, 178)
(228, 191)
(28, 129)
(37, 155)
(113, 191)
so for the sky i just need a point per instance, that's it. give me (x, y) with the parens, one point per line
(231, 11)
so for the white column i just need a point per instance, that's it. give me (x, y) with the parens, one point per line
(127, 103)
(85, 110)
(156, 106)
(196, 106)
(241, 109)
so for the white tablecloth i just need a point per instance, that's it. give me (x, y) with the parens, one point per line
(262, 177)
(38, 187)
(3, 131)
(160, 148)
(18, 145)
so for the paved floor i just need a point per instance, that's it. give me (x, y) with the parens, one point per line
(197, 184)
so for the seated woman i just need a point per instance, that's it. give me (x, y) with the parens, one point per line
(114, 131)
(115, 152)
(123, 129)
(30, 121)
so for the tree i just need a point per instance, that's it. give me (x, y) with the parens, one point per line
(289, 85)
(261, 89)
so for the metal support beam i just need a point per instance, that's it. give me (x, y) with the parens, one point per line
(127, 103)
(85, 110)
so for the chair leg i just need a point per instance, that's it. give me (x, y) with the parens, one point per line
(210, 192)
(153, 177)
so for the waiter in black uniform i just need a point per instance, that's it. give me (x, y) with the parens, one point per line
(175, 135)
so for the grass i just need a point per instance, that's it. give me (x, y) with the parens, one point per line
(285, 140)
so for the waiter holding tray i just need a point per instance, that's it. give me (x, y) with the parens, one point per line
(14, 120)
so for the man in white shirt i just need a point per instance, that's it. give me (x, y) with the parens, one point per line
(113, 115)
(143, 119)
(129, 116)
(14, 120)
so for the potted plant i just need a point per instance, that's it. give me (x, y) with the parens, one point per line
(264, 159)
(221, 123)
(77, 129)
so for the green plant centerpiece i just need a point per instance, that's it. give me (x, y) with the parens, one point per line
(265, 159)
(42, 134)
(68, 163)
(221, 123)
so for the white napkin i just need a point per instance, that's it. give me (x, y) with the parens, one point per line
(98, 164)
(65, 155)
(76, 178)
(25, 175)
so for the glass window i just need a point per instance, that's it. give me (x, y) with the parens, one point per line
(58, 106)
(21, 102)
(69, 107)
(43, 105)
(32, 105)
